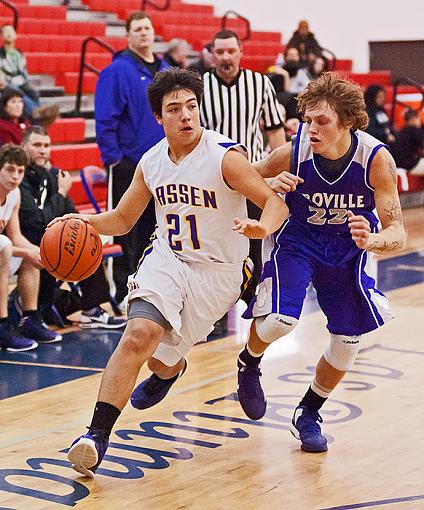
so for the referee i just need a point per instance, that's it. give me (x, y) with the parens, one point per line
(239, 103)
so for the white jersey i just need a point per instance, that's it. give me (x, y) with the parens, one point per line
(7, 208)
(194, 206)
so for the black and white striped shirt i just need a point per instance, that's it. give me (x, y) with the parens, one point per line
(236, 109)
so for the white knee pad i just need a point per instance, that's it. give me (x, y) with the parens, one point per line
(273, 326)
(342, 351)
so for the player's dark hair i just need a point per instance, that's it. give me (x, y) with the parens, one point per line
(13, 154)
(170, 80)
(135, 16)
(226, 34)
(344, 97)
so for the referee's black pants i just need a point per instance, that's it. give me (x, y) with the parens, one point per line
(255, 254)
(134, 243)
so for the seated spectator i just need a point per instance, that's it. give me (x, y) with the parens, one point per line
(13, 67)
(17, 254)
(317, 68)
(12, 121)
(206, 61)
(379, 124)
(44, 192)
(177, 54)
(305, 43)
(408, 148)
(298, 77)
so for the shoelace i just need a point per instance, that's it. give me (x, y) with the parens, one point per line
(308, 422)
(254, 389)
(154, 384)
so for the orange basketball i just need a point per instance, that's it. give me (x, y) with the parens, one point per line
(71, 250)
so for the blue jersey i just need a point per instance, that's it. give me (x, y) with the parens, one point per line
(320, 205)
(315, 245)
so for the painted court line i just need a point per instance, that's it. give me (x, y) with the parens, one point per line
(46, 365)
(380, 502)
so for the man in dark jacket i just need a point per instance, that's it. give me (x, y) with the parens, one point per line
(306, 44)
(408, 148)
(44, 196)
(126, 129)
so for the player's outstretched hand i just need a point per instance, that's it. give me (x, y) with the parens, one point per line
(252, 229)
(285, 182)
(360, 229)
(82, 217)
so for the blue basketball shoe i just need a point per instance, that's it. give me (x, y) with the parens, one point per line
(86, 452)
(36, 330)
(305, 426)
(250, 392)
(153, 389)
(15, 343)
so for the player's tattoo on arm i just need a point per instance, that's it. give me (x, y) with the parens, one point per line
(381, 246)
(393, 172)
(393, 211)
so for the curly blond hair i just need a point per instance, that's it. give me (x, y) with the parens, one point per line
(343, 96)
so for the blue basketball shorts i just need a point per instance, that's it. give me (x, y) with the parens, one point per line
(341, 274)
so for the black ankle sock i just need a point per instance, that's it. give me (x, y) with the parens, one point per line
(312, 400)
(251, 361)
(104, 417)
(34, 314)
(3, 321)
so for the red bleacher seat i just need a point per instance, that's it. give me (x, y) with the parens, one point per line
(36, 11)
(57, 26)
(383, 78)
(67, 130)
(75, 157)
(70, 82)
(53, 63)
(79, 196)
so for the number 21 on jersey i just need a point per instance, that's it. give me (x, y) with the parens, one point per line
(174, 222)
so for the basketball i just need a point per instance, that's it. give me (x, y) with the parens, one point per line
(71, 250)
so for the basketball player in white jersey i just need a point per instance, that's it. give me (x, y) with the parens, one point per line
(17, 254)
(194, 269)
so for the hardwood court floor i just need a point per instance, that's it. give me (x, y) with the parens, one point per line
(196, 450)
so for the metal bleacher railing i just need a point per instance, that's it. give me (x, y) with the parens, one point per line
(331, 58)
(15, 12)
(85, 65)
(405, 81)
(231, 14)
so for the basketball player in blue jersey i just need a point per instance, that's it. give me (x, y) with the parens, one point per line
(196, 265)
(336, 177)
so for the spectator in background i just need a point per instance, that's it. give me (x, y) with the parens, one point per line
(379, 124)
(317, 68)
(206, 61)
(18, 255)
(13, 67)
(177, 54)
(12, 121)
(298, 76)
(44, 192)
(126, 129)
(408, 148)
(250, 105)
(305, 43)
